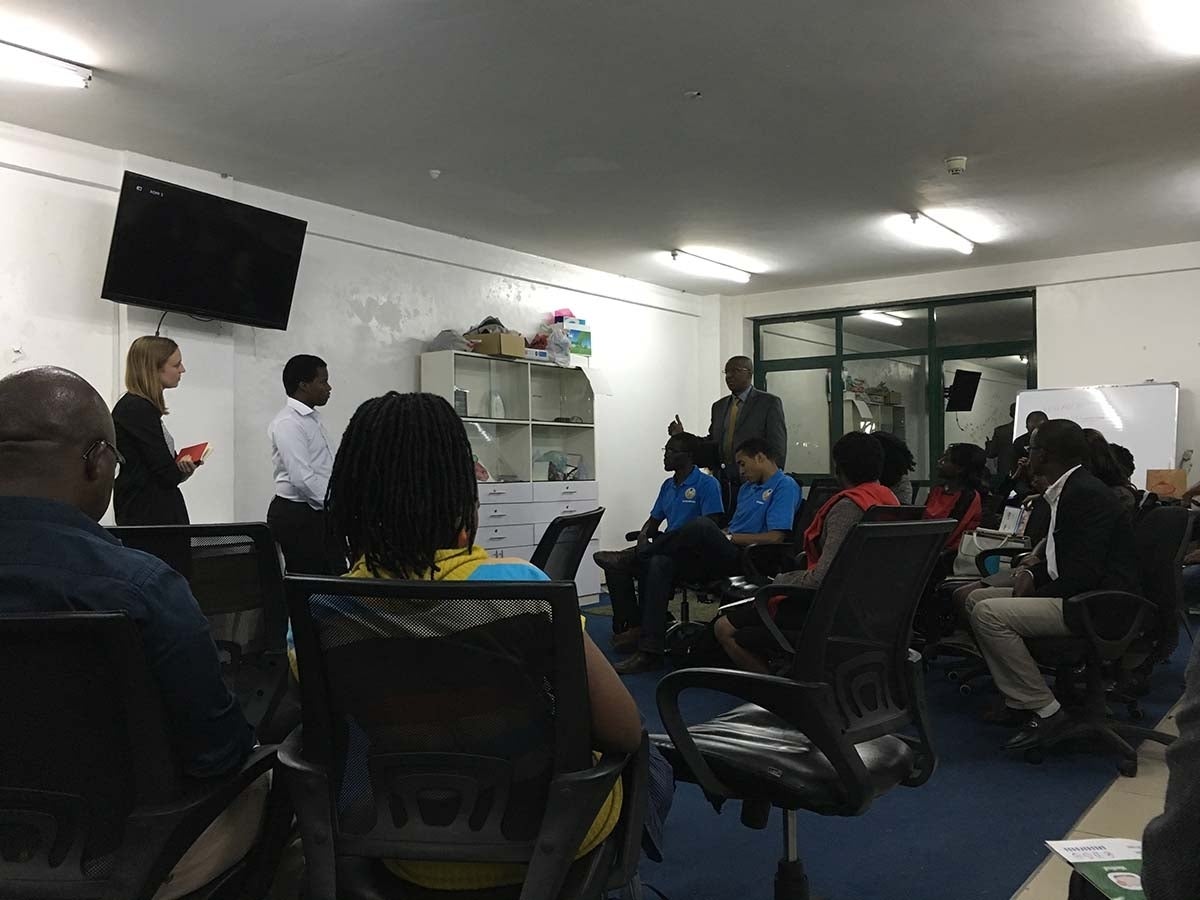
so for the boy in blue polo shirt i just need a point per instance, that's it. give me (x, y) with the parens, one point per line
(687, 495)
(700, 551)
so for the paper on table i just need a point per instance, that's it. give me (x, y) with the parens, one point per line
(1112, 865)
(598, 381)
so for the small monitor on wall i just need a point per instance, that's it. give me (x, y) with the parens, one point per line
(960, 397)
(180, 250)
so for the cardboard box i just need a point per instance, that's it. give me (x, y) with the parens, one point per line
(1166, 482)
(499, 344)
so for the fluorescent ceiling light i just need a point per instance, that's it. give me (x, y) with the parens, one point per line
(918, 228)
(881, 317)
(698, 265)
(21, 64)
(1175, 23)
(971, 224)
(727, 257)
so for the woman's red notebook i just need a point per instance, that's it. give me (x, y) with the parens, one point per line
(197, 453)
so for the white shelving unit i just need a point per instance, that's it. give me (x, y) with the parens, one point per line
(509, 407)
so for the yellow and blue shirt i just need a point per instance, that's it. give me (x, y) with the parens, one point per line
(698, 495)
(770, 506)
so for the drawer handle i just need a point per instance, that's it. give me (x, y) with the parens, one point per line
(497, 537)
(570, 491)
(497, 515)
(568, 509)
(494, 491)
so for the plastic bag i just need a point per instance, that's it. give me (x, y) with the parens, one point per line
(558, 345)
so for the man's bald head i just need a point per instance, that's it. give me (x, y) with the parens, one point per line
(49, 418)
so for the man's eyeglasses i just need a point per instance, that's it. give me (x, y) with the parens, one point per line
(96, 445)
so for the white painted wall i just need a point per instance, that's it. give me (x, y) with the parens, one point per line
(997, 391)
(370, 292)
(1109, 318)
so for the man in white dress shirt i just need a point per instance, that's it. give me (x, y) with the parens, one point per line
(303, 461)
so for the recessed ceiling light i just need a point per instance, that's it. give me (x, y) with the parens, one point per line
(881, 317)
(918, 228)
(21, 64)
(698, 265)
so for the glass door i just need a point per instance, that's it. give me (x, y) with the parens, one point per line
(805, 394)
(988, 423)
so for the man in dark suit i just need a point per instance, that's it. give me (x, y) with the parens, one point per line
(746, 413)
(1090, 547)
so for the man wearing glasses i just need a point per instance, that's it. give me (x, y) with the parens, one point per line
(58, 460)
(744, 414)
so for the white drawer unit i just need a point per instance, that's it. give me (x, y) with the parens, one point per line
(566, 490)
(505, 492)
(504, 537)
(495, 515)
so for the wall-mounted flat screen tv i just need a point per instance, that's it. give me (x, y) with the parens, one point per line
(182, 250)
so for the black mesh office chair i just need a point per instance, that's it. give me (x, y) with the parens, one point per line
(449, 721)
(564, 543)
(92, 803)
(1122, 631)
(827, 737)
(235, 574)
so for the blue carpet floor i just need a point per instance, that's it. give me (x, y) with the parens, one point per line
(973, 832)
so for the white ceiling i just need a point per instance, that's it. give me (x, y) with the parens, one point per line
(562, 129)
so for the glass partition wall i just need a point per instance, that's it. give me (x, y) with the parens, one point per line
(888, 370)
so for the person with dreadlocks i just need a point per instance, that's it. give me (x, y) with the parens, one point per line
(403, 499)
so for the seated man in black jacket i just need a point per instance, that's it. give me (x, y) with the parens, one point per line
(1090, 547)
(58, 458)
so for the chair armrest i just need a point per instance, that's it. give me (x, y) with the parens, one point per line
(807, 706)
(1088, 605)
(632, 535)
(572, 804)
(762, 599)
(195, 811)
(309, 785)
(1010, 553)
(763, 560)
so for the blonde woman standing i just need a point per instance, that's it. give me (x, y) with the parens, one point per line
(147, 487)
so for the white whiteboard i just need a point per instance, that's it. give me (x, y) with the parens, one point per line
(1142, 417)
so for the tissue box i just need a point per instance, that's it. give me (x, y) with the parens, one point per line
(499, 344)
(580, 334)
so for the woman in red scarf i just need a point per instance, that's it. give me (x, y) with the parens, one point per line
(858, 461)
(963, 470)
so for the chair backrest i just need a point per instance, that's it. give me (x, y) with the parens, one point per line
(894, 514)
(441, 710)
(82, 743)
(859, 629)
(564, 543)
(235, 574)
(1161, 535)
(819, 493)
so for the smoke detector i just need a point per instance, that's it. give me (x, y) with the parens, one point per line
(956, 165)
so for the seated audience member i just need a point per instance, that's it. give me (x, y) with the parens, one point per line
(403, 500)
(701, 551)
(686, 495)
(1125, 461)
(1103, 464)
(58, 459)
(1090, 547)
(858, 462)
(960, 496)
(898, 461)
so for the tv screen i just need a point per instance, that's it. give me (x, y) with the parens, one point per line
(961, 396)
(181, 250)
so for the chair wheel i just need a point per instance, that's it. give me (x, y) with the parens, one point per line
(953, 675)
(966, 690)
(1136, 713)
(1128, 768)
(1035, 756)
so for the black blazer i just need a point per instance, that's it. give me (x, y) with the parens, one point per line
(147, 488)
(1093, 544)
(761, 416)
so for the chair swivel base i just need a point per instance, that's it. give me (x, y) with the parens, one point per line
(1113, 734)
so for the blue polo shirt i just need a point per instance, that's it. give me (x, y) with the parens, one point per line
(770, 506)
(699, 495)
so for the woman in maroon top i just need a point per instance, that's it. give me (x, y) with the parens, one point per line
(963, 470)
